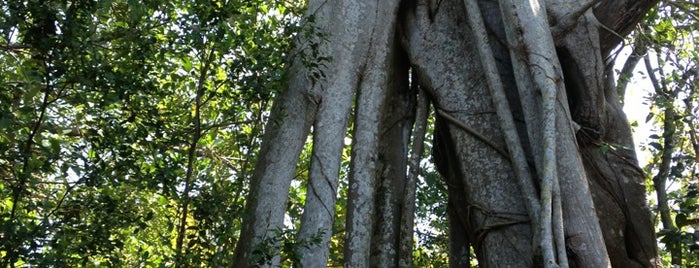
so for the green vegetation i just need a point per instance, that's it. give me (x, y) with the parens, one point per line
(128, 129)
(666, 44)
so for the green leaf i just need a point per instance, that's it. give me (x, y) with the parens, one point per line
(162, 200)
(29, 96)
(681, 220)
(656, 145)
(5, 122)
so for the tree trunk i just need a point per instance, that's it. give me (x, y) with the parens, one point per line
(438, 41)
(486, 204)
(384, 75)
(395, 128)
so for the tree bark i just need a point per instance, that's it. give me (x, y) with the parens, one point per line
(485, 205)
(290, 122)
(309, 87)
(407, 225)
(395, 132)
(384, 71)
(478, 175)
(348, 45)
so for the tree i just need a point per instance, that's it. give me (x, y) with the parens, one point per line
(129, 129)
(664, 45)
(530, 137)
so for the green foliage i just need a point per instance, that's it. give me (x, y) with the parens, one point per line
(122, 121)
(669, 33)
(432, 242)
(283, 241)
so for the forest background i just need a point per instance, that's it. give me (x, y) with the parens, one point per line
(129, 131)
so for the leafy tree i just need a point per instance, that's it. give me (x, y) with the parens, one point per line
(665, 44)
(130, 128)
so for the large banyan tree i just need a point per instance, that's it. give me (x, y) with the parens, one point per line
(529, 134)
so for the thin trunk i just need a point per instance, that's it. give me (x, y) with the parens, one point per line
(18, 190)
(285, 135)
(407, 224)
(660, 186)
(578, 209)
(664, 95)
(321, 191)
(533, 37)
(446, 161)
(638, 51)
(360, 204)
(502, 109)
(191, 156)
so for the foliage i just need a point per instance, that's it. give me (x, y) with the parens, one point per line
(283, 241)
(432, 243)
(128, 129)
(666, 42)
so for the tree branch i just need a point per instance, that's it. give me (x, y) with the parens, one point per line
(640, 49)
(472, 131)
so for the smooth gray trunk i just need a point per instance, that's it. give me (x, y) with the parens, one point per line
(384, 72)
(347, 46)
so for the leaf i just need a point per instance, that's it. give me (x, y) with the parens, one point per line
(681, 220)
(29, 96)
(649, 117)
(5, 122)
(656, 145)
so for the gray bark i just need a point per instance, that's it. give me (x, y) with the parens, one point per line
(477, 174)
(407, 225)
(485, 205)
(348, 44)
(395, 132)
(290, 121)
(575, 189)
(379, 77)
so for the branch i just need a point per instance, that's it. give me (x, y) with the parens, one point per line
(472, 131)
(668, 147)
(191, 155)
(639, 50)
(679, 5)
(618, 18)
(569, 20)
(13, 47)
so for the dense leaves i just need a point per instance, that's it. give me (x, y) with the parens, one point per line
(666, 45)
(128, 128)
